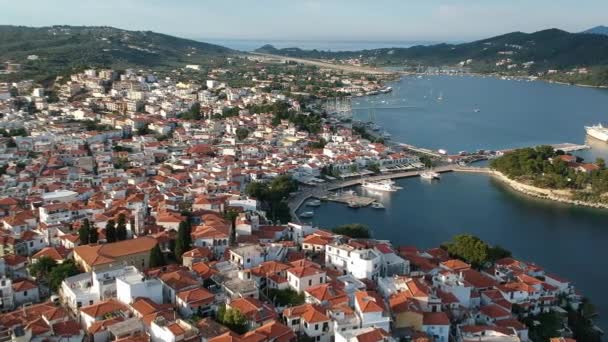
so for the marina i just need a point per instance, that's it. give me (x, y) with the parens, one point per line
(350, 198)
(425, 212)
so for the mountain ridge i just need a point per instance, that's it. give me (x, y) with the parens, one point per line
(63, 47)
(551, 48)
(600, 29)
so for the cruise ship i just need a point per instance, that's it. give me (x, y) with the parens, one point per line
(598, 132)
(384, 185)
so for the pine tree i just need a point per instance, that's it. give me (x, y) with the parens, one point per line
(156, 257)
(111, 231)
(84, 232)
(121, 228)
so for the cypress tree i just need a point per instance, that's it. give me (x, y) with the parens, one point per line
(111, 231)
(84, 232)
(121, 228)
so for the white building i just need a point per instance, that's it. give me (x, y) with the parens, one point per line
(133, 283)
(361, 263)
(163, 331)
(301, 278)
(247, 256)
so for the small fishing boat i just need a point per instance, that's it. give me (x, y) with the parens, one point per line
(378, 205)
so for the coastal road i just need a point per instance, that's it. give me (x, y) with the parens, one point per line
(321, 190)
(321, 64)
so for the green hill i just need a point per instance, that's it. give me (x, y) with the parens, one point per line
(60, 48)
(548, 49)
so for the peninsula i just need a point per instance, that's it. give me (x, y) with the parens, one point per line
(552, 174)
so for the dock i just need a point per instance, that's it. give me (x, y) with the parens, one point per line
(349, 198)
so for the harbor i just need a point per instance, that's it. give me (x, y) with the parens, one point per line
(424, 212)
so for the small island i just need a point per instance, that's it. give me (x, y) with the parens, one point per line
(552, 174)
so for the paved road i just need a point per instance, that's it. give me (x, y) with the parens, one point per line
(347, 68)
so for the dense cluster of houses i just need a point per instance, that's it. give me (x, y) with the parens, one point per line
(116, 146)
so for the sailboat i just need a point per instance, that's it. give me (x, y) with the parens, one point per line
(440, 98)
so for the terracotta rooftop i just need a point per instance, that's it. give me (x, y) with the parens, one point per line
(106, 253)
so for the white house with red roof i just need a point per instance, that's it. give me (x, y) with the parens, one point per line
(196, 301)
(371, 310)
(437, 325)
(310, 320)
(301, 278)
(25, 291)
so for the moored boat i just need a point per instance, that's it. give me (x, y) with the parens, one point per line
(383, 185)
(430, 175)
(307, 214)
(598, 132)
(313, 203)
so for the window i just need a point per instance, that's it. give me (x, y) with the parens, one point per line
(25, 293)
(316, 327)
(321, 280)
(310, 282)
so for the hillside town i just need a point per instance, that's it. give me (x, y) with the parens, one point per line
(133, 209)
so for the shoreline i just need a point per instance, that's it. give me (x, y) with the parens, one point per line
(541, 193)
(511, 78)
(525, 189)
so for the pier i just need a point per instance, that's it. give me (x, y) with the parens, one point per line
(348, 198)
(325, 191)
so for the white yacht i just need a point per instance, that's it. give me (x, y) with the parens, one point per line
(598, 132)
(430, 175)
(384, 185)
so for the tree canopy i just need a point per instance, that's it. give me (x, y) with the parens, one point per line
(42, 268)
(354, 230)
(121, 228)
(287, 297)
(542, 167)
(60, 272)
(233, 319)
(156, 257)
(474, 251)
(183, 240)
(273, 196)
(111, 231)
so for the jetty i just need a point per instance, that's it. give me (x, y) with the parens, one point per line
(327, 191)
(349, 198)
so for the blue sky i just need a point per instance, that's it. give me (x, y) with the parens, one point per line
(436, 20)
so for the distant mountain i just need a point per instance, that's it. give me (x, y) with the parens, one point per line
(61, 47)
(553, 48)
(598, 30)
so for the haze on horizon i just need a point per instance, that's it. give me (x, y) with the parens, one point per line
(429, 20)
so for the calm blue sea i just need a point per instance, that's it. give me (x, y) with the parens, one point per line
(566, 240)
